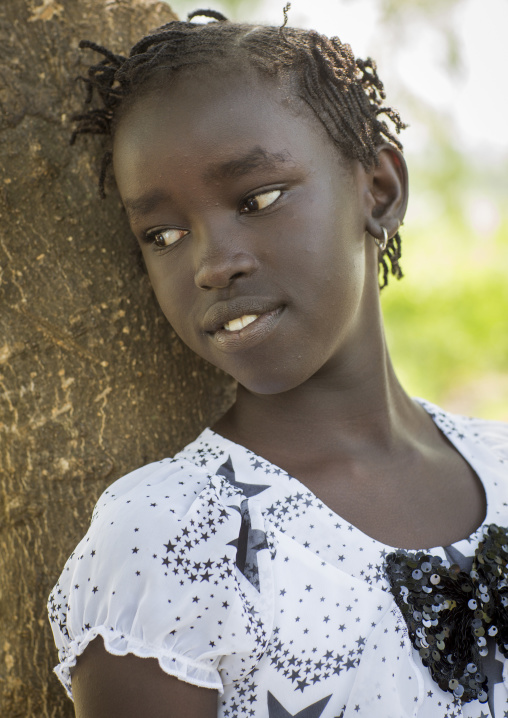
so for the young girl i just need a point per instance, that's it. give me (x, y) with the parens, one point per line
(331, 547)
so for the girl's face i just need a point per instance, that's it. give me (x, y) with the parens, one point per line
(252, 227)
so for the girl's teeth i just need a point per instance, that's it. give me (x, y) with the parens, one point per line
(236, 324)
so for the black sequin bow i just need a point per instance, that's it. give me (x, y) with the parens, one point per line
(450, 613)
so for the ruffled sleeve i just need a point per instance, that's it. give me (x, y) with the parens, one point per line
(157, 575)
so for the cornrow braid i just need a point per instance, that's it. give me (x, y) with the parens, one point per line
(345, 93)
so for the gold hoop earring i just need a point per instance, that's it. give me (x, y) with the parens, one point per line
(382, 243)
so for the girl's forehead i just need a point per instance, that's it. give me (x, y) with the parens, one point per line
(204, 105)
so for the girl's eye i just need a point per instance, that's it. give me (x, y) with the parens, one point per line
(260, 201)
(167, 237)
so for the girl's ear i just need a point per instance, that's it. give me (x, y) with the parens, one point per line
(387, 192)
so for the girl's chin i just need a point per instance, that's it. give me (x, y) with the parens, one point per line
(270, 383)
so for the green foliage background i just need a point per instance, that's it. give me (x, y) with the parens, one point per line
(447, 320)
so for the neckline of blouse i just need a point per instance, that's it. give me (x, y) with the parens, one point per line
(445, 422)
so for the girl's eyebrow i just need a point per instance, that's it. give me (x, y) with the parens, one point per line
(238, 166)
(145, 204)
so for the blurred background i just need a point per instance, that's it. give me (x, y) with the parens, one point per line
(443, 63)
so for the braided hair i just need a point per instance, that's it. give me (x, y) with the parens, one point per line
(345, 93)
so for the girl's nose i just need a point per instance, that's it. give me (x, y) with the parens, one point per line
(222, 260)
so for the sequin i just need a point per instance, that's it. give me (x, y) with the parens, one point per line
(449, 612)
(459, 691)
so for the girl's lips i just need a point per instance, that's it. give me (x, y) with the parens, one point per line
(249, 335)
(228, 312)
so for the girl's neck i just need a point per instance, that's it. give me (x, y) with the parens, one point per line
(366, 410)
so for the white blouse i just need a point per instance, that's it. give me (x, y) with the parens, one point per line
(236, 577)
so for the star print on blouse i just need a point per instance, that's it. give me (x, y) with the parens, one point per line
(247, 545)
(250, 541)
(277, 710)
(248, 490)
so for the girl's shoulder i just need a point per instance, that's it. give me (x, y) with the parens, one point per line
(155, 575)
(176, 482)
(490, 435)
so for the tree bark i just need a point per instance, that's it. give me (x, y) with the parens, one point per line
(93, 382)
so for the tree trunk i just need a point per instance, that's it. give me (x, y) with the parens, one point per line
(93, 382)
